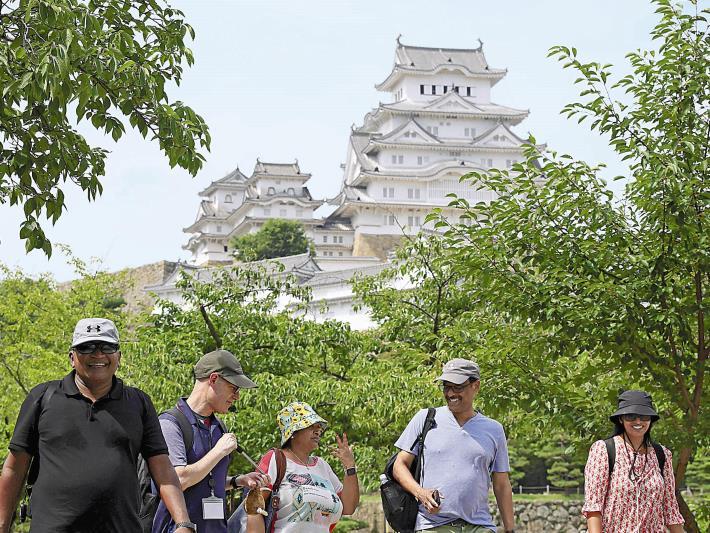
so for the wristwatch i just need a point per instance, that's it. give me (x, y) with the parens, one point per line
(188, 525)
(351, 471)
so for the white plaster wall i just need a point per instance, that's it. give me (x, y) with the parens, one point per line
(481, 88)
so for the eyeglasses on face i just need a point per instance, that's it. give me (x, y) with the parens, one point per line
(631, 417)
(91, 347)
(234, 388)
(453, 388)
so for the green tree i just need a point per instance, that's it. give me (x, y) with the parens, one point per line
(612, 292)
(37, 319)
(104, 60)
(347, 376)
(276, 238)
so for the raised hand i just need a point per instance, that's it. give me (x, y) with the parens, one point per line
(343, 451)
(226, 444)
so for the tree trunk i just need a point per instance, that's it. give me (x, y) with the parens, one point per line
(691, 525)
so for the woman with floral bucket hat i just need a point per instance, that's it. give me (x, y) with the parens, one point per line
(628, 480)
(311, 498)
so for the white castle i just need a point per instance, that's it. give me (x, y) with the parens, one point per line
(408, 154)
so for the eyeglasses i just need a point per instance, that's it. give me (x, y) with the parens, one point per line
(235, 389)
(91, 347)
(453, 388)
(631, 417)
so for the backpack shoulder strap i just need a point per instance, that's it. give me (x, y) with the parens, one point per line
(428, 422)
(52, 387)
(280, 468)
(661, 456)
(185, 427)
(221, 424)
(611, 453)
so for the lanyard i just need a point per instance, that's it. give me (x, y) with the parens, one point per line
(210, 481)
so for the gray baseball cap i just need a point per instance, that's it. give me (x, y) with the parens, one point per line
(94, 330)
(458, 371)
(226, 365)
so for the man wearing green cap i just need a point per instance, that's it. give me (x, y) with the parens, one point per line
(202, 470)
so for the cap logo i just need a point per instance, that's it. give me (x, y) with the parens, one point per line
(96, 328)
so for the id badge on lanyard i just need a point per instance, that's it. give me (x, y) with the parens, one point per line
(213, 508)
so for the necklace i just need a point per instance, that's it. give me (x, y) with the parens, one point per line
(297, 459)
(633, 475)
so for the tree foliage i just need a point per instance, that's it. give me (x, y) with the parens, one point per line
(616, 291)
(276, 238)
(105, 61)
(37, 319)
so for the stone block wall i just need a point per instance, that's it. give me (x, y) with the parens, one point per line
(530, 517)
(375, 245)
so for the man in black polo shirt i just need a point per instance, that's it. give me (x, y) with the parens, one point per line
(88, 432)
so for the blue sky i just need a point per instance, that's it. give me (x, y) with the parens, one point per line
(282, 80)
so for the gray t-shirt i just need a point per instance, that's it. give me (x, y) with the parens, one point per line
(458, 461)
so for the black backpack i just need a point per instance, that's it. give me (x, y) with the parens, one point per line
(33, 472)
(611, 453)
(400, 507)
(148, 504)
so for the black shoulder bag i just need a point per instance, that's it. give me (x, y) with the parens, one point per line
(400, 507)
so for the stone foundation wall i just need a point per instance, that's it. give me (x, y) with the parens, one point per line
(135, 279)
(530, 517)
(375, 245)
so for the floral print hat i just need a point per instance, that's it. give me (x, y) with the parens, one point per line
(296, 416)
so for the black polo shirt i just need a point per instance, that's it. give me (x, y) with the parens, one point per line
(87, 479)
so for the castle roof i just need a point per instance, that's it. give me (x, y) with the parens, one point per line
(424, 60)
(450, 103)
(234, 180)
(281, 170)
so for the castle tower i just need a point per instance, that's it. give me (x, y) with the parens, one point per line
(410, 153)
(236, 205)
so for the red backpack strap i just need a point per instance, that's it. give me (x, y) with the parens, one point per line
(280, 468)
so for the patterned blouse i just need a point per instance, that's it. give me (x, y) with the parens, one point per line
(647, 505)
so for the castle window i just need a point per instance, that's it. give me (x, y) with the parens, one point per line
(228, 199)
(271, 191)
(299, 212)
(219, 228)
(325, 238)
(225, 248)
(414, 194)
(267, 212)
(421, 89)
(282, 212)
(291, 191)
(387, 192)
(468, 91)
(433, 89)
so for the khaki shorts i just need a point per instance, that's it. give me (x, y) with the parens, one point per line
(459, 526)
